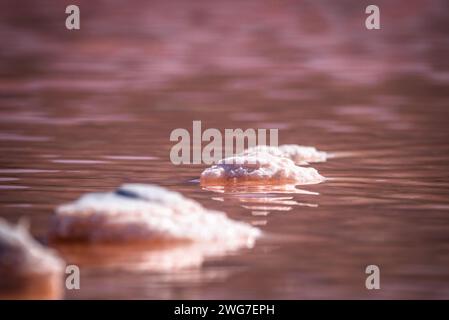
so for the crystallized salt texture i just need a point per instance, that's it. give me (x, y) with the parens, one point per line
(301, 154)
(298, 154)
(137, 212)
(27, 269)
(258, 168)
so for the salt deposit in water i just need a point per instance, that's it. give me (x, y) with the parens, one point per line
(298, 154)
(258, 168)
(137, 212)
(28, 270)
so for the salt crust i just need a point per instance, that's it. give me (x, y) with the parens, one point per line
(298, 154)
(20, 253)
(28, 270)
(138, 212)
(258, 168)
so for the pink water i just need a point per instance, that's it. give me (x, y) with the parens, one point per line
(89, 110)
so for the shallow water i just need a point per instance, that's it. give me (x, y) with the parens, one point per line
(88, 111)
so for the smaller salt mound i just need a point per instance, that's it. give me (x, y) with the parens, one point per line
(298, 154)
(27, 269)
(137, 212)
(258, 168)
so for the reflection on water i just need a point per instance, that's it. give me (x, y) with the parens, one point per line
(87, 111)
(261, 199)
(143, 258)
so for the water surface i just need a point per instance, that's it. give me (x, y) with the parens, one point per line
(89, 110)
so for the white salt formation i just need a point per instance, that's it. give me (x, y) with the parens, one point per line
(137, 212)
(298, 154)
(258, 168)
(27, 269)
